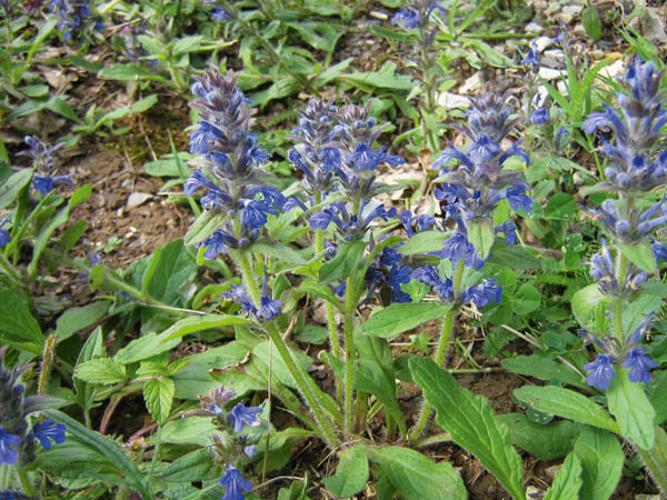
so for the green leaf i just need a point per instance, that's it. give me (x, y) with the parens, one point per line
(311, 287)
(568, 481)
(640, 254)
(93, 348)
(566, 404)
(602, 458)
(114, 455)
(187, 44)
(18, 326)
(102, 371)
(633, 411)
(351, 474)
(561, 206)
(158, 395)
(168, 271)
(546, 442)
(128, 72)
(590, 18)
(80, 195)
(282, 252)
(11, 187)
(386, 78)
(196, 324)
(169, 166)
(145, 347)
(655, 459)
(75, 319)
(526, 299)
(344, 263)
(471, 423)
(481, 235)
(424, 242)
(193, 466)
(543, 367)
(208, 222)
(188, 431)
(375, 375)
(391, 321)
(587, 304)
(415, 476)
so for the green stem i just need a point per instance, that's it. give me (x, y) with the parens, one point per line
(25, 481)
(441, 350)
(296, 372)
(156, 450)
(332, 328)
(10, 271)
(348, 326)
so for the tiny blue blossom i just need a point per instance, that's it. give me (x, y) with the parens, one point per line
(269, 308)
(240, 416)
(47, 431)
(640, 366)
(458, 248)
(600, 372)
(4, 238)
(484, 294)
(508, 229)
(539, 116)
(8, 443)
(236, 486)
(44, 185)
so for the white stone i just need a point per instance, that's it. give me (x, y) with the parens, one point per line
(472, 85)
(450, 101)
(534, 27)
(550, 74)
(137, 199)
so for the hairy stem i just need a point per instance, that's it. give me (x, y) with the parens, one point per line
(441, 351)
(299, 377)
(349, 356)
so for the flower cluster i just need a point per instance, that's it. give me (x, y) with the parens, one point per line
(337, 150)
(613, 351)
(268, 309)
(636, 166)
(16, 438)
(231, 444)
(417, 15)
(484, 293)
(43, 158)
(316, 151)
(473, 190)
(387, 273)
(72, 16)
(227, 170)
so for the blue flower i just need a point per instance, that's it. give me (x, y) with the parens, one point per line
(47, 431)
(219, 14)
(44, 185)
(508, 229)
(240, 416)
(13, 495)
(532, 58)
(351, 226)
(235, 484)
(387, 271)
(458, 248)
(429, 275)
(518, 200)
(407, 18)
(659, 250)
(600, 372)
(640, 366)
(416, 223)
(4, 238)
(483, 294)
(269, 308)
(539, 116)
(250, 451)
(238, 294)
(603, 269)
(8, 443)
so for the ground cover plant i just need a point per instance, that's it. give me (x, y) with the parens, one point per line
(302, 249)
